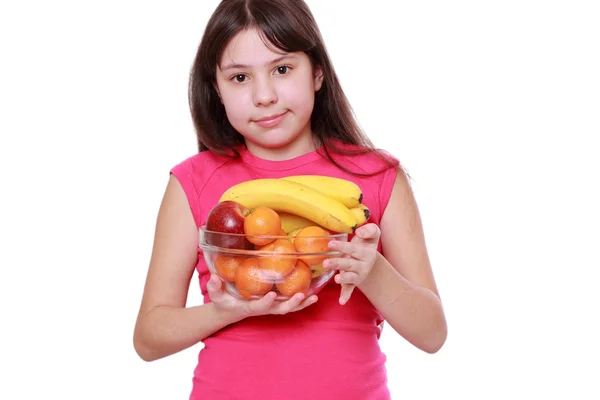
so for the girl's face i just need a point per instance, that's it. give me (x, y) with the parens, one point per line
(268, 95)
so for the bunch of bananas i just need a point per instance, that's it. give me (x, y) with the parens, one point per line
(303, 200)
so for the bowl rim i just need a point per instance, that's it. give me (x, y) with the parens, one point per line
(261, 253)
(333, 235)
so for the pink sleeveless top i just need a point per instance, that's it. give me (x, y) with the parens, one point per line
(326, 351)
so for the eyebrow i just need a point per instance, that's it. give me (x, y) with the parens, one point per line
(275, 61)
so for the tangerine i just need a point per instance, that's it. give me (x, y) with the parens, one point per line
(312, 239)
(262, 221)
(298, 281)
(227, 265)
(250, 280)
(277, 266)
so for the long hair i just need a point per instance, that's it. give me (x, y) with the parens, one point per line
(287, 25)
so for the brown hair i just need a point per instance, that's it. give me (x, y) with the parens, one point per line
(289, 26)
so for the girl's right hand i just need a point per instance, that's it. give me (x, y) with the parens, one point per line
(241, 309)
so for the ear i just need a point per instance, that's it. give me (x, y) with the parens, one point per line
(318, 76)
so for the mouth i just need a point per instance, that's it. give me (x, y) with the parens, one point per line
(270, 120)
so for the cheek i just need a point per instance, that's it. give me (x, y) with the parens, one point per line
(299, 97)
(236, 107)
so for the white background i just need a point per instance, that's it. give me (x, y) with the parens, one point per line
(493, 107)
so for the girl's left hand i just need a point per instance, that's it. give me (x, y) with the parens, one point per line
(358, 260)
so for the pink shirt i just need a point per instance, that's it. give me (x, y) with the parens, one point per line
(326, 351)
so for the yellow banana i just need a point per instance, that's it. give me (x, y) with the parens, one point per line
(317, 270)
(361, 214)
(290, 222)
(346, 192)
(294, 198)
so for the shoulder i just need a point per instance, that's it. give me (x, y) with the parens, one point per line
(363, 160)
(193, 173)
(197, 169)
(374, 166)
(203, 161)
(373, 170)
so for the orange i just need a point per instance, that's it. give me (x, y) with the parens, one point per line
(296, 282)
(276, 266)
(227, 265)
(262, 221)
(250, 280)
(311, 240)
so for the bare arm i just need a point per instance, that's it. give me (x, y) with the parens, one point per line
(401, 285)
(164, 325)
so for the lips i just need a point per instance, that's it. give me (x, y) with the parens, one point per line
(270, 120)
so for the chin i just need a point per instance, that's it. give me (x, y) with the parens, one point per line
(272, 140)
(276, 144)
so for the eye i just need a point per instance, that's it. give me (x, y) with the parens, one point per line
(239, 78)
(282, 69)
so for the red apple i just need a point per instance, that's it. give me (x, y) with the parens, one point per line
(227, 217)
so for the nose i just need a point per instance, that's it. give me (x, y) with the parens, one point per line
(264, 92)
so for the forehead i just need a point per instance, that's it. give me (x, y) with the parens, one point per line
(248, 48)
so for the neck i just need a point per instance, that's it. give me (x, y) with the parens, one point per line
(299, 146)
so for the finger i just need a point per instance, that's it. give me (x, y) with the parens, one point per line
(345, 294)
(263, 304)
(369, 232)
(349, 248)
(347, 278)
(344, 264)
(307, 302)
(214, 287)
(289, 305)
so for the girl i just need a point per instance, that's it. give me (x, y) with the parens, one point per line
(266, 102)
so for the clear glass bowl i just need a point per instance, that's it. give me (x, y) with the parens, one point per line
(249, 271)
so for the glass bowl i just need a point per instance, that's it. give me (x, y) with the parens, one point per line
(250, 271)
